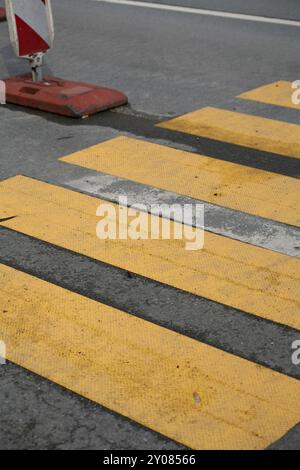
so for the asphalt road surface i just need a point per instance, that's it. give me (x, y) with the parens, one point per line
(169, 63)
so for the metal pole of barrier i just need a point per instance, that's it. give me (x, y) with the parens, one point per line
(36, 62)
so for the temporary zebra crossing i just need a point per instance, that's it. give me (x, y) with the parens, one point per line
(178, 386)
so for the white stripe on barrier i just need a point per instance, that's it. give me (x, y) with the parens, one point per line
(34, 14)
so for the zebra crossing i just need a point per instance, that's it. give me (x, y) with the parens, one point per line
(255, 132)
(184, 388)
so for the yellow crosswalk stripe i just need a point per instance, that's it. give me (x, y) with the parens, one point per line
(278, 94)
(241, 129)
(243, 276)
(235, 186)
(184, 389)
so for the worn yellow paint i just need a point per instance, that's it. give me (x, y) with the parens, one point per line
(184, 389)
(241, 129)
(238, 187)
(243, 276)
(278, 94)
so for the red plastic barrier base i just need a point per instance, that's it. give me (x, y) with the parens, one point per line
(67, 98)
(2, 14)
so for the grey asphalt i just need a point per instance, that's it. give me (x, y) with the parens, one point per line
(167, 63)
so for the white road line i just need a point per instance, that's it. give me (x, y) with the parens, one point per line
(198, 11)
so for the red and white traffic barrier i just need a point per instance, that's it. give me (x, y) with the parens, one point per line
(30, 25)
(2, 14)
(31, 32)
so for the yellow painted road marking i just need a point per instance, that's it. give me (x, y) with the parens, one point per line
(238, 187)
(237, 274)
(240, 129)
(184, 389)
(278, 94)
